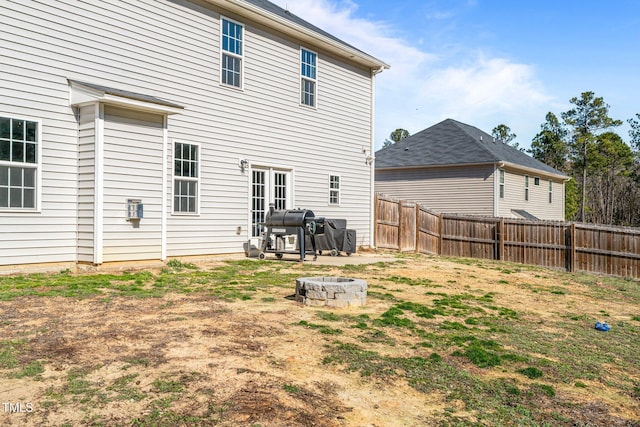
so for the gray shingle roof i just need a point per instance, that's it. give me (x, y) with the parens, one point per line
(453, 143)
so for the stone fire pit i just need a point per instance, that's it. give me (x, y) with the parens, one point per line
(327, 291)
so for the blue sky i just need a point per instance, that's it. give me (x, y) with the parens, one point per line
(487, 62)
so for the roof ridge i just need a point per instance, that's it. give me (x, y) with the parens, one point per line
(475, 141)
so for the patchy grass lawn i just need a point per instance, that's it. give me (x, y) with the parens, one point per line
(450, 342)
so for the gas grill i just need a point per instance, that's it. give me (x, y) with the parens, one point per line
(290, 222)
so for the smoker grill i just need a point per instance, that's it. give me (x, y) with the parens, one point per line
(287, 222)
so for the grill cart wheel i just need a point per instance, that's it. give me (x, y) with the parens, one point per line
(261, 255)
(334, 252)
(279, 256)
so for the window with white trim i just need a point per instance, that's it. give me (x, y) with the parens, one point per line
(550, 191)
(232, 53)
(19, 163)
(526, 187)
(308, 77)
(501, 184)
(186, 178)
(334, 189)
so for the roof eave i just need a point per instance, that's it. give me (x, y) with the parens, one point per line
(498, 164)
(272, 20)
(534, 170)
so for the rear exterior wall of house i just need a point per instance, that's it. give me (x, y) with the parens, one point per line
(170, 50)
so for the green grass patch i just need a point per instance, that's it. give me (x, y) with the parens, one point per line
(323, 329)
(530, 372)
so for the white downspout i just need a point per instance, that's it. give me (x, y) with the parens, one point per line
(372, 209)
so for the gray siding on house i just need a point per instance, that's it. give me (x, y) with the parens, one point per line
(171, 50)
(461, 190)
(538, 203)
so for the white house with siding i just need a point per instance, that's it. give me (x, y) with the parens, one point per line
(144, 129)
(452, 167)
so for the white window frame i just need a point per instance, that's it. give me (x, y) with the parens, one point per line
(37, 166)
(550, 191)
(175, 177)
(304, 78)
(526, 188)
(335, 191)
(501, 182)
(224, 52)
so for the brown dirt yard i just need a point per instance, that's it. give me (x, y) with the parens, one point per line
(439, 342)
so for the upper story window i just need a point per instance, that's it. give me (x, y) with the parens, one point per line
(550, 191)
(334, 190)
(308, 74)
(536, 181)
(526, 187)
(232, 53)
(501, 184)
(19, 163)
(186, 178)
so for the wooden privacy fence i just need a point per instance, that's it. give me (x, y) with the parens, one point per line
(407, 226)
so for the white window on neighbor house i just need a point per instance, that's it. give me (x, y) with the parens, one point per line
(550, 191)
(232, 53)
(501, 184)
(19, 163)
(186, 178)
(536, 181)
(526, 187)
(308, 77)
(334, 189)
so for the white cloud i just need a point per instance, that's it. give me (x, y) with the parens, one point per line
(422, 88)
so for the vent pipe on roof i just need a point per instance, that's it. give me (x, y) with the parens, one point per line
(480, 138)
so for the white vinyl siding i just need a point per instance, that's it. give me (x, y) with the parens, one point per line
(126, 45)
(86, 183)
(462, 190)
(132, 170)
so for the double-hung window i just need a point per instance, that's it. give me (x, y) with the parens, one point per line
(232, 53)
(334, 189)
(550, 191)
(526, 187)
(501, 184)
(308, 77)
(19, 163)
(186, 178)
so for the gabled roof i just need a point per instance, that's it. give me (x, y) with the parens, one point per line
(450, 143)
(273, 16)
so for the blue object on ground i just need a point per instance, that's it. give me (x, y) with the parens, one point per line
(602, 326)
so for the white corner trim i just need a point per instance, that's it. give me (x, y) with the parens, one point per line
(98, 202)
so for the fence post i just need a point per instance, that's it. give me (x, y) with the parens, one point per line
(375, 220)
(572, 248)
(440, 230)
(417, 208)
(501, 239)
(400, 230)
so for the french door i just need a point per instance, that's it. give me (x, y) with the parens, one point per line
(268, 186)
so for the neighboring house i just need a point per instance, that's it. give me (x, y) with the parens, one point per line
(452, 167)
(193, 115)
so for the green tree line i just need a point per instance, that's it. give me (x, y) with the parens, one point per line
(605, 170)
